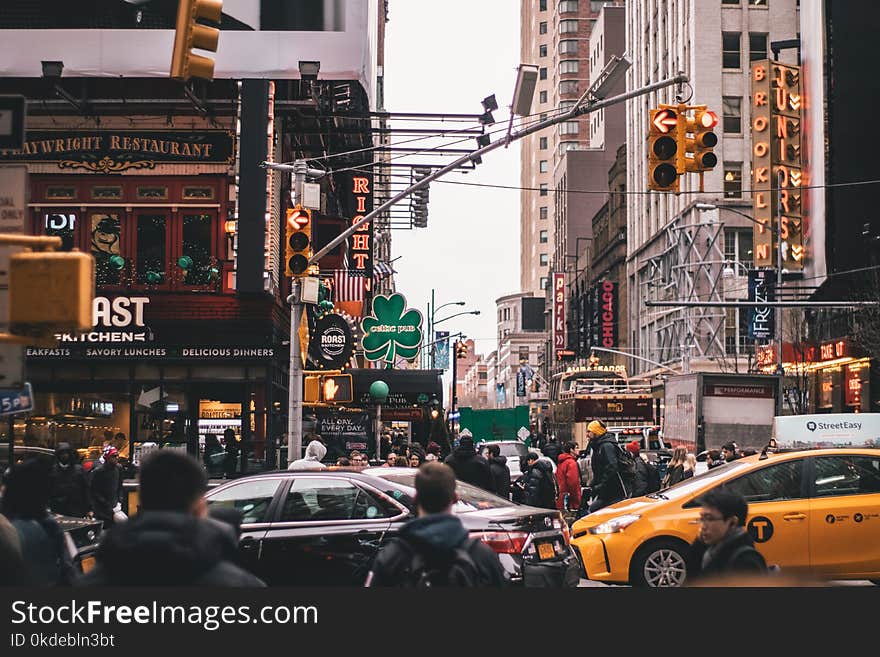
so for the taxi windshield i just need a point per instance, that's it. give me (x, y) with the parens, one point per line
(688, 486)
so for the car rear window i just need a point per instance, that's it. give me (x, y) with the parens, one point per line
(514, 449)
(470, 498)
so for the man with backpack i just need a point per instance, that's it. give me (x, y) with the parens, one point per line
(647, 478)
(434, 549)
(612, 467)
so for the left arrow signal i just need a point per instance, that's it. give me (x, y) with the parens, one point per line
(664, 120)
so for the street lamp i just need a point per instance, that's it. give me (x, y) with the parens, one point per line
(466, 312)
(432, 312)
(703, 207)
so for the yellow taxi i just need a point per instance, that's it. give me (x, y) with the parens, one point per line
(812, 513)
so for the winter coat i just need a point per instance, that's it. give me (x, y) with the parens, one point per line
(540, 485)
(472, 468)
(47, 560)
(735, 554)
(500, 476)
(312, 460)
(569, 481)
(105, 488)
(68, 487)
(433, 536)
(642, 477)
(606, 466)
(168, 548)
(673, 476)
(551, 450)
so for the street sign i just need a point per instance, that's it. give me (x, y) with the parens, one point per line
(665, 120)
(523, 433)
(16, 400)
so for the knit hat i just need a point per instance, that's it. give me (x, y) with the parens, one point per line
(633, 446)
(110, 450)
(597, 428)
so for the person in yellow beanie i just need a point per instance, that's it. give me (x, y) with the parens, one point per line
(596, 428)
(607, 485)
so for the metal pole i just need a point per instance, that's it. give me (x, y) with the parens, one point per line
(452, 396)
(294, 384)
(431, 330)
(11, 440)
(378, 432)
(779, 369)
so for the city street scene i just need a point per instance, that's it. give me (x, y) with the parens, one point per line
(385, 293)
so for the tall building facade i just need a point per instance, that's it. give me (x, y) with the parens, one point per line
(554, 35)
(676, 252)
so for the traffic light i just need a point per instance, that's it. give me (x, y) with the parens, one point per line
(704, 139)
(419, 200)
(192, 34)
(336, 388)
(663, 148)
(50, 292)
(298, 241)
(461, 350)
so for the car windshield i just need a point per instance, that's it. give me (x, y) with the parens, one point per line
(514, 449)
(470, 498)
(688, 486)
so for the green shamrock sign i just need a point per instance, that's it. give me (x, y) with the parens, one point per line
(392, 331)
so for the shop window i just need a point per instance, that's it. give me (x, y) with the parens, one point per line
(151, 253)
(107, 192)
(106, 238)
(152, 192)
(198, 193)
(61, 224)
(195, 260)
(60, 193)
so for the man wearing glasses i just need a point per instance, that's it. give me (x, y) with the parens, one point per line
(723, 546)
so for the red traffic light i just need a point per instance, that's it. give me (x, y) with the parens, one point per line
(709, 119)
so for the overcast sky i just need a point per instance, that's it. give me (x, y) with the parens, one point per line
(446, 57)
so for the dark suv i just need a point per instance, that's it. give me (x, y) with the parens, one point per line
(325, 527)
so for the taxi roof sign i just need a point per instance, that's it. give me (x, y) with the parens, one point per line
(827, 430)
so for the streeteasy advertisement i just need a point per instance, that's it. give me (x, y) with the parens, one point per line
(831, 430)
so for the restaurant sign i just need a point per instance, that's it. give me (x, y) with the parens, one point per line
(113, 151)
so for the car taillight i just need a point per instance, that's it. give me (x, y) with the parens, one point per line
(565, 532)
(503, 542)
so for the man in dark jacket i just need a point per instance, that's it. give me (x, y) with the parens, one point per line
(552, 449)
(647, 478)
(171, 542)
(428, 550)
(607, 487)
(540, 486)
(68, 487)
(469, 466)
(500, 471)
(105, 486)
(723, 545)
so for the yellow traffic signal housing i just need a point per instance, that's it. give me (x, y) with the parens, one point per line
(663, 148)
(700, 145)
(336, 388)
(192, 34)
(312, 389)
(50, 292)
(461, 350)
(298, 242)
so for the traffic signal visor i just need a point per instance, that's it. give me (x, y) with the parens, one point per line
(190, 33)
(298, 241)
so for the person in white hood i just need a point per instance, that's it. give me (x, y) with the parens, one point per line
(312, 461)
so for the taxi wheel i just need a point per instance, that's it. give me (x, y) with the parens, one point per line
(659, 564)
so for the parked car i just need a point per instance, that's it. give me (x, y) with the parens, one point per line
(325, 527)
(811, 512)
(514, 450)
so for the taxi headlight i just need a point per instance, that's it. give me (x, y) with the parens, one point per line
(616, 525)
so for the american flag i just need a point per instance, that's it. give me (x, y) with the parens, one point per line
(349, 286)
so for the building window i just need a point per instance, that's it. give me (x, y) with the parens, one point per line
(568, 26)
(568, 87)
(732, 180)
(542, 96)
(107, 192)
(151, 244)
(542, 5)
(106, 236)
(60, 193)
(736, 332)
(542, 27)
(542, 143)
(568, 6)
(730, 55)
(543, 116)
(738, 244)
(542, 212)
(542, 166)
(545, 282)
(568, 66)
(543, 237)
(544, 260)
(147, 193)
(542, 50)
(732, 109)
(542, 73)
(568, 47)
(568, 128)
(198, 193)
(543, 189)
(758, 3)
(197, 230)
(757, 46)
(729, 2)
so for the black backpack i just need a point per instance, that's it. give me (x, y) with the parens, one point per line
(453, 569)
(626, 469)
(653, 477)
